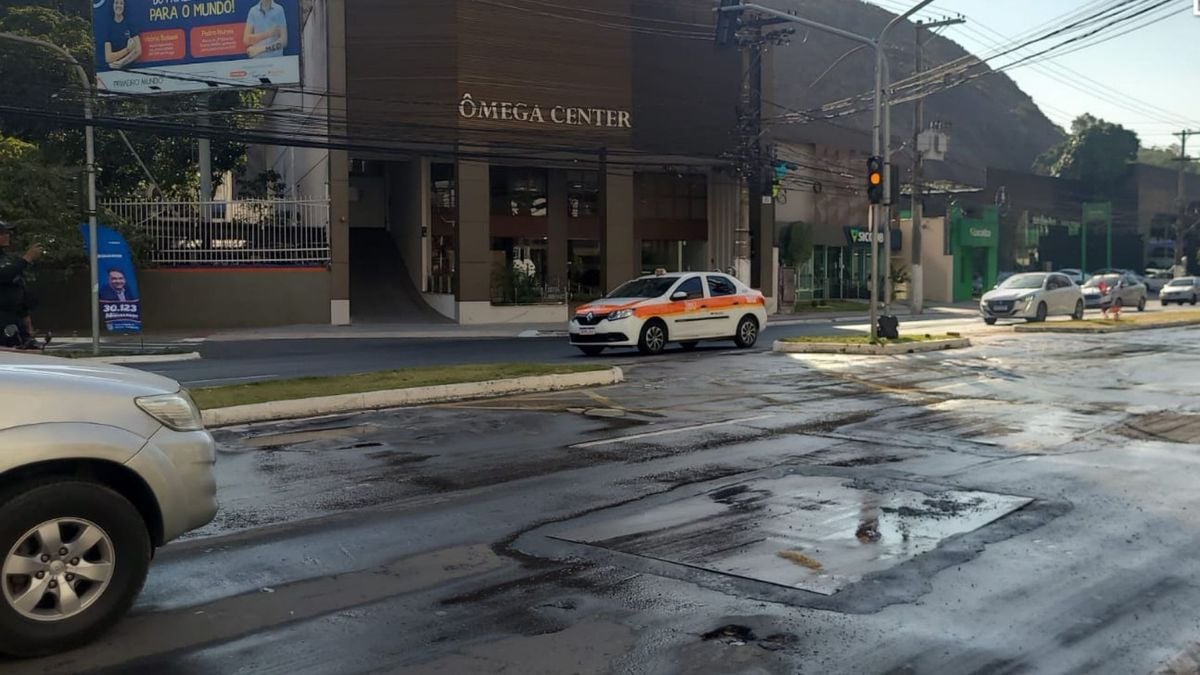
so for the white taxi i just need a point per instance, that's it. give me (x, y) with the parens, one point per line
(685, 307)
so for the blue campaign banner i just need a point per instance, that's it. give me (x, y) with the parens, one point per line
(152, 46)
(120, 302)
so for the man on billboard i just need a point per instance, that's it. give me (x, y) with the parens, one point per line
(117, 289)
(266, 30)
(122, 46)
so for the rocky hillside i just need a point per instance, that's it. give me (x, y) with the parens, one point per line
(991, 121)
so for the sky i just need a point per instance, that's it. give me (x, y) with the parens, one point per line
(1152, 75)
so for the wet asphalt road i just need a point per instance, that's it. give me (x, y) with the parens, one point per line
(1021, 506)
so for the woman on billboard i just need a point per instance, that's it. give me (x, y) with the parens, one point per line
(122, 46)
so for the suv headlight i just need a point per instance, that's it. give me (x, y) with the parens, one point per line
(620, 314)
(175, 411)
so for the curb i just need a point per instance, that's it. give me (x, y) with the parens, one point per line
(139, 358)
(399, 398)
(875, 350)
(1101, 330)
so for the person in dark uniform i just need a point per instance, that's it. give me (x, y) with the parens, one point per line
(15, 301)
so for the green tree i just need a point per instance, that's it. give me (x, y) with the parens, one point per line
(1167, 157)
(44, 88)
(1097, 153)
(795, 244)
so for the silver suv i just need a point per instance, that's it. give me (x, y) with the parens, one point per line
(98, 466)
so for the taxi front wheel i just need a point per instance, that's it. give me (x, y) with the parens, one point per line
(653, 338)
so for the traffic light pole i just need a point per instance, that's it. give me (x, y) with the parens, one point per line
(880, 142)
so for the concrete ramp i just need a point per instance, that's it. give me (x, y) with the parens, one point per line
(381, 290)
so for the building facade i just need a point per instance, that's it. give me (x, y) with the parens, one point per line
(499, 162)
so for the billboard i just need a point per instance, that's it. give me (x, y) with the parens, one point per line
(156, 46)
(120, 302)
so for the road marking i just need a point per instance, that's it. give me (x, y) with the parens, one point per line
(234, 379)
(665, 432)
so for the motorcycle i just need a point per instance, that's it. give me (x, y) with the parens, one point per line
(12, 337)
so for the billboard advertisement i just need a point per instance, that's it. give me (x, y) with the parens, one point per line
(120, 302)
(157, 46)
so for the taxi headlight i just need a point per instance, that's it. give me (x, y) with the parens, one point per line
(620, 314)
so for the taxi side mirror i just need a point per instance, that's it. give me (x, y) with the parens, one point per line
(679, 295)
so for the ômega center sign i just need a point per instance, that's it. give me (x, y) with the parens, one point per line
(153, 46)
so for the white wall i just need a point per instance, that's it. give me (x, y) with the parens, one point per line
(486, 313)
(937, 267)
(305, 170)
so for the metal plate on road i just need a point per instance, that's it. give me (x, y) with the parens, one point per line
(814, 533)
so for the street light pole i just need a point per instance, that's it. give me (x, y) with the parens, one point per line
(881, 127)
(90, 142)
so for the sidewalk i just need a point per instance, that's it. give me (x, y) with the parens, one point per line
(440, 331)
(962, 309)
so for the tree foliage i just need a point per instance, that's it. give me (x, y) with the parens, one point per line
(795, 244)
(1097, 153)
(1167, 158)
(35, 80)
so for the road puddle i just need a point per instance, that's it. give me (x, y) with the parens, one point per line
(815, 533)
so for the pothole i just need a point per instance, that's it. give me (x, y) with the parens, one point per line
(1164, 426)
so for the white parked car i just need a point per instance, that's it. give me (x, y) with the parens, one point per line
(687, 307)
(1032, 296)
(1181, 290)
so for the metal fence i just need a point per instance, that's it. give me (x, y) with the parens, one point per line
(245, 232)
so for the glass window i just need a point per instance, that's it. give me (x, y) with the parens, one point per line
(693, 287)
(1024, 281)
(672, 197)
(720, 286)
(643, 288)
(583, 194)
(519, 192)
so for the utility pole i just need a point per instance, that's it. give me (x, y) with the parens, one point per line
(917, 278)
(1181, 197)
(90, 150)
(881, 127)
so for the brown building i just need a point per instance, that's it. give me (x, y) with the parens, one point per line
(505, 159)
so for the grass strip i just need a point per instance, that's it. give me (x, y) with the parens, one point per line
(210, 398)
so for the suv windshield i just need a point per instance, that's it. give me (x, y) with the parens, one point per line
(643, 288)
(1024, 281)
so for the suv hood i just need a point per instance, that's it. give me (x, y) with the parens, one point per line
(36, 371)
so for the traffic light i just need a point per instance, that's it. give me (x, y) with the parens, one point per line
(728, 23)
(875, 180)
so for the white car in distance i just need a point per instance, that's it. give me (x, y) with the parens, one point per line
(1032, 296)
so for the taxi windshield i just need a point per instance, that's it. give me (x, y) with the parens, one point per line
(643, 288)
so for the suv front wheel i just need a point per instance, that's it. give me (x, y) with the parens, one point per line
(75, 555)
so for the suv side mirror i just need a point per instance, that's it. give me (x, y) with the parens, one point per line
(679, 295)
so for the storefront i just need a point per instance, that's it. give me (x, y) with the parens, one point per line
(974, 246)
(841, 271)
